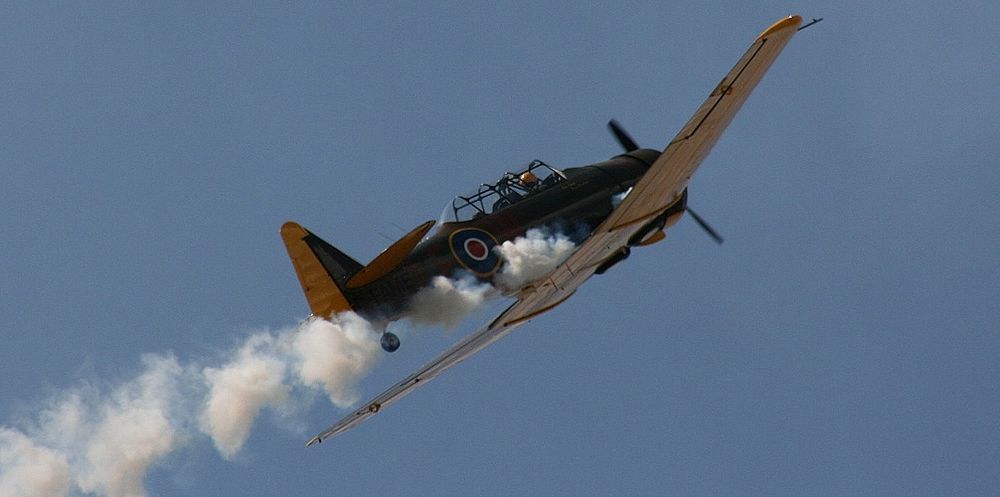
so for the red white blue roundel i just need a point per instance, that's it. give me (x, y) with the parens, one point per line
(473, 248)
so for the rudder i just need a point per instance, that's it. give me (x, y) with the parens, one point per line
(322, 269)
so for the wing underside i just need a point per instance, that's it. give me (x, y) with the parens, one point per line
(658, 189)
(471, 344)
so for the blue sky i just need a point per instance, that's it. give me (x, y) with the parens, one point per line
(843, 341)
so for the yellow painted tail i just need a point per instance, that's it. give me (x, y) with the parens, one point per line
(321, 268)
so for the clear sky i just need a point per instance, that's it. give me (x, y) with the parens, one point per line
(843, 341)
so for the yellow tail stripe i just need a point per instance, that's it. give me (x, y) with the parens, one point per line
(324, 297)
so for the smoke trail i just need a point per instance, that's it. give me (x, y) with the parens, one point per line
(335, 355)
(446, 301)
(96, 442)
(133, 431)
(239, 390)
(531, 257)
(30, 469)
(103, 441)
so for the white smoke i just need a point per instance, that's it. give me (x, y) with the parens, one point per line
(446, 301)
(335, 355)
(97, 441)
(133, 430)
(531, 257)
(103, 441)
(239, 389)
(29, 469)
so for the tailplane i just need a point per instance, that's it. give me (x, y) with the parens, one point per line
(328, 275)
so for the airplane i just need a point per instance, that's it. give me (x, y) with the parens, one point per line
(625, 202)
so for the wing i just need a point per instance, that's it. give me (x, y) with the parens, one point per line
(471, 344)
(658, 189)
(530, 303)
(666, 179)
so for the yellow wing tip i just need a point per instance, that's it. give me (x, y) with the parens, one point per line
(788, 22)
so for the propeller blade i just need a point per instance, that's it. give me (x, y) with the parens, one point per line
(701, 222)
(623, 138)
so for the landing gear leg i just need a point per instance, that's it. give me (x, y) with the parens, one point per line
(619, 256)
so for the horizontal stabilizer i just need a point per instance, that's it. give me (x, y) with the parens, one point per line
(391, 257)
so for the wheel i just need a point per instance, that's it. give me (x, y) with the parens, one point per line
(390, 342)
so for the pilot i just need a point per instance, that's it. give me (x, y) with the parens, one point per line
(529, 180)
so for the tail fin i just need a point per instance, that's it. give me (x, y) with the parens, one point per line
(323, 270)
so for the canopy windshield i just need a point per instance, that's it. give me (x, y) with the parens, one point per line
(508, 190)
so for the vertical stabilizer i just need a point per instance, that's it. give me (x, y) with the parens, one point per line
(321, 268)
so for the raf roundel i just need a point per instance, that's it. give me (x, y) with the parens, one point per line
(473, 249)
(476, 249)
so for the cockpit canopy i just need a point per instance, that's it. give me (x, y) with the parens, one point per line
(508, 190)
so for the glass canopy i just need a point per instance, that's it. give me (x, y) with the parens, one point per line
(511, 188)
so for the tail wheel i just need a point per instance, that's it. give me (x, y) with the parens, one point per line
(390, 342)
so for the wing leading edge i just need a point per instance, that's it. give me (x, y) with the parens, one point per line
(658, 189)
(666, 179)
(471, 344)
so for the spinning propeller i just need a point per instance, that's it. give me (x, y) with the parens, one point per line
(623, 137)
(630, 145)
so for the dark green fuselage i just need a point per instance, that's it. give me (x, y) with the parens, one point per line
(574, 206)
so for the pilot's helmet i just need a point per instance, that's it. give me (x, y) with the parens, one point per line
(528, 178)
